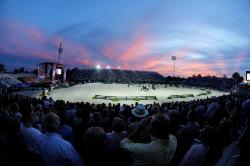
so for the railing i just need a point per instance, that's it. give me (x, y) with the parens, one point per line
(118, 98)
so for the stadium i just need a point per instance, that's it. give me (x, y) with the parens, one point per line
(139, 95)
(158, 83)
(108, 91)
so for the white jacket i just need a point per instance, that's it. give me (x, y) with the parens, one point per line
(157, 152)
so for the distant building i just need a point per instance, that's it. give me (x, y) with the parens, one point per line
(51, 72)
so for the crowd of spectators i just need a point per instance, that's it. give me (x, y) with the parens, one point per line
(46, 132)
(213, 82)
(219, 83)
(115, 75)
(135, 77)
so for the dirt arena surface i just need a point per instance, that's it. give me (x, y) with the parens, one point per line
(85, 92)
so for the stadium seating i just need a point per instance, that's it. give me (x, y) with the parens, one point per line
(119, 76)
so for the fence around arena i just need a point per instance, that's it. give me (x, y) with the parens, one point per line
(138, 98)
(118, 98)
(189, 95)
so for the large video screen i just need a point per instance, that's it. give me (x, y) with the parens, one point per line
(248, 75)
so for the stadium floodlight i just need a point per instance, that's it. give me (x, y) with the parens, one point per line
(107, 67)
(60, 51)
(58, 71)
(98, 67)
(174, 59)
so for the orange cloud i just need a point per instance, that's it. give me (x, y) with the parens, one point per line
(152, 63)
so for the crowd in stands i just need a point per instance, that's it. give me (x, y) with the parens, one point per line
(46, 132)
(213, 82)
(115, 75)
(138, 77)
(209, 81)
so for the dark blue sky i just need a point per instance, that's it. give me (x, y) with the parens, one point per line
(207, 37)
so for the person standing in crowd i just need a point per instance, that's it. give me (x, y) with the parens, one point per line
(223, 137)
(94, 152)
(244, 145)
(197, 153)
(143, 133)
(29, 134)
(159, 151)
(114, 138)
(53, 149)
(185, 137)
(116, 156)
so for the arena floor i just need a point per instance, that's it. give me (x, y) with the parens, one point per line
(85, 92)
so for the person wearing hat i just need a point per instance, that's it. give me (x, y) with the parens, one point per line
(139, 129)
(139, 111)
(159, 151)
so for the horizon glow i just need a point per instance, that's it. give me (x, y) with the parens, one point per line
(205, 36)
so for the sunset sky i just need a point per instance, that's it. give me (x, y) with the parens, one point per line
(207, 36)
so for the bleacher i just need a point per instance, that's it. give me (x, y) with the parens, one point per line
(9, 80)
(119, 76)
(209, 82)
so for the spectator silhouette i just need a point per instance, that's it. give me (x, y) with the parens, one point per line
(185, 137)
(159, 151)
(54, 150)
(94, 140)
(195, 156)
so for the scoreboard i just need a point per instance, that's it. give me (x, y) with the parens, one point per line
(248, 75)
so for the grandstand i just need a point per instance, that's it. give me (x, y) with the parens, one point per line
(8, 80)
(115, 75)
(209, 81)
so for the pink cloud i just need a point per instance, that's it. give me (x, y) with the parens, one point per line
(180, 53)
(110, 50)
(239, 59)
(163, 64)
(127, 53)
(28, 41)
(135, 50)
(153, 62)
(87, 62)
(196, 68)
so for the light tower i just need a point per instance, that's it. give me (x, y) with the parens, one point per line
(60, 51)
(174, 59)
